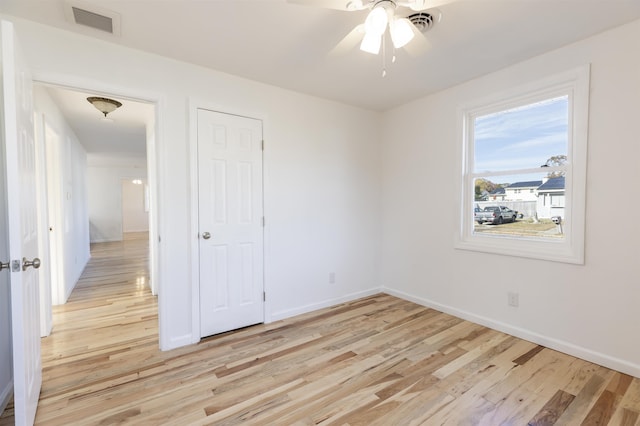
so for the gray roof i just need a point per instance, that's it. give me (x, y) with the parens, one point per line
(552, 184)
(527, 184)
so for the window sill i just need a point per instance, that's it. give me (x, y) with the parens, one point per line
(549, 250)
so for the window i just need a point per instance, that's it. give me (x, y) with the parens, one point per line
(530, 144)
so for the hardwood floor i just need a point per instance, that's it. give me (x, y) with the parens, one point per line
(374, 361)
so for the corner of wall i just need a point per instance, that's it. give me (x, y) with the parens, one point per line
(287, 313)
(6, 395)
(599, 358)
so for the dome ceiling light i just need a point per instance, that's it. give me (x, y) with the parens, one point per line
(104, 105)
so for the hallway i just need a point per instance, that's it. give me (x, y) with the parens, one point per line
(110, 311)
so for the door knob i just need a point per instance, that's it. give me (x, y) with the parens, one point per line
(206, 235)
(26, 263)
(4, 266)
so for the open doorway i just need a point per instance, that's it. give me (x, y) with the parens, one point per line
(135, 206)
(87, 156)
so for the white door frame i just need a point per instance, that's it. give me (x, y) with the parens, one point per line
(154, 166)
(194, 105)
(48, 268)
(54, 195)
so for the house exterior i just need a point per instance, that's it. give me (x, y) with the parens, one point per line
(548, 195)
(497, 195)
(551, 198)
(522, 191)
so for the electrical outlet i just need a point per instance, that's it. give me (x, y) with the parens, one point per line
(512, 299)
(332, 277)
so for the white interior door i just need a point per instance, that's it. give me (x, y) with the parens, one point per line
(230, 222)
(22, 220)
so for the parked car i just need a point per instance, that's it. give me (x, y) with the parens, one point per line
(495, 215)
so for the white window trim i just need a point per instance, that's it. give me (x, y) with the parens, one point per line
(569, 249)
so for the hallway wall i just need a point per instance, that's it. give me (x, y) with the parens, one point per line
(104, 181)
(73, 223)
(134, 216)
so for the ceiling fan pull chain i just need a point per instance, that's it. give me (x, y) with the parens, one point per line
(384, 56)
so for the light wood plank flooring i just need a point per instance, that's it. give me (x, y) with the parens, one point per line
(374, 361)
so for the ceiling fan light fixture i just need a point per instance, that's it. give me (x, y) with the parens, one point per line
(371, 43)
(104, 105)
(401, 32)
(376, 21)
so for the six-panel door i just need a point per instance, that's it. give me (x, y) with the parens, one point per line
(230, 222)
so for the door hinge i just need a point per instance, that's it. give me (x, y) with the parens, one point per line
(263, 222)
(264, 296)
(263, 144)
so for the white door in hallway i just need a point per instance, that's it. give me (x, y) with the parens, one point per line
(230, 222)
(22, 220)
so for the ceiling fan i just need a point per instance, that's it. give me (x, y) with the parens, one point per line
(382, 15)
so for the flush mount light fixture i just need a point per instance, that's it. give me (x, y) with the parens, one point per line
(104, 105)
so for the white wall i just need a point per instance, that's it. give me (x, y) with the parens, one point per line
(71, 195)
(590, 310)
(322, 194)
(134, 216)
(105, 174)
(321, 173)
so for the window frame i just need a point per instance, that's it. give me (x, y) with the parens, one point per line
(570, 249)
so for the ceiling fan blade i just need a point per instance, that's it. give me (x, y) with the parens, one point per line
(350, 41)
(326, 4)
(419, 44)
(419, 5)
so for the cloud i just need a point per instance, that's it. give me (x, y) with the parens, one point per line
(523, 137)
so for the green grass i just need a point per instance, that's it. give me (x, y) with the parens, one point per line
(524, 228)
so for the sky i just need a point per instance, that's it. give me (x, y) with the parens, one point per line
(521, 138)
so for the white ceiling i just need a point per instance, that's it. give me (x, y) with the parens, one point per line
(288, 45)
(123, 134)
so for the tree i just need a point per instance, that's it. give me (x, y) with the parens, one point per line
(484, 186)
(554, 161)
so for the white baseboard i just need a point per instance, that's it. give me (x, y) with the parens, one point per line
(5, 395)
(549, 342)
(106, 240)
(287, 313)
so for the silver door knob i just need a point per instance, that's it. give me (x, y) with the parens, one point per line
(4, 266)
(26, 263)
(206, 235)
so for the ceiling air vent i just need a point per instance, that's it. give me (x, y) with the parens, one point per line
(90, 16)
(424, 21)
(93, 20)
